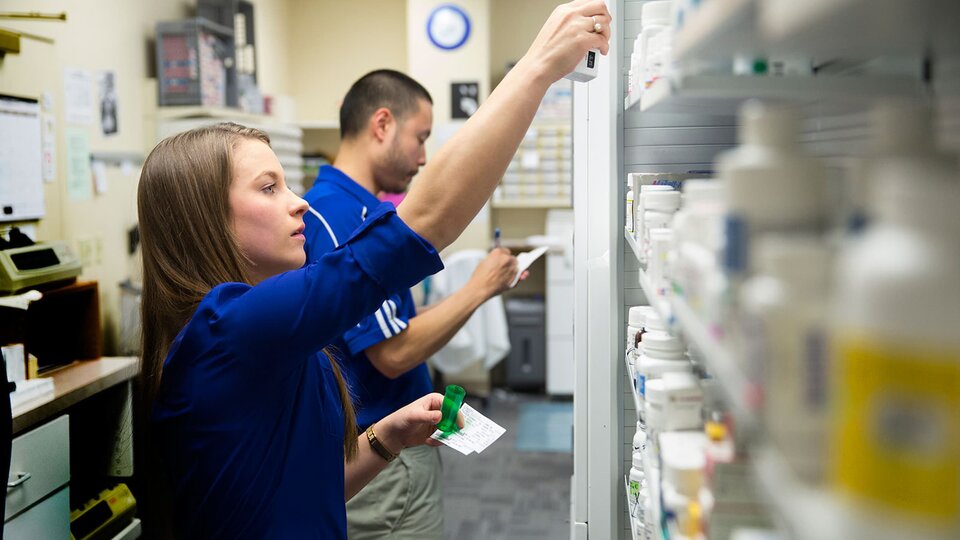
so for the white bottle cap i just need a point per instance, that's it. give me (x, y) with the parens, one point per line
(661, 200)
(638, 315)
(930, 200)
(654, 323)
(656, 13)
(768, 124)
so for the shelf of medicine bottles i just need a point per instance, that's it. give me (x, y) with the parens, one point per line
(718, 29)
(829, 29)
(563, 202)
(722, 94)
(719, 361)
(807, 513)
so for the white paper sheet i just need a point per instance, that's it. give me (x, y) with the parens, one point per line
(477, 434)
(525, 260)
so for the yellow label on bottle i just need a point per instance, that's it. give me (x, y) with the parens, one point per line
(897, 429)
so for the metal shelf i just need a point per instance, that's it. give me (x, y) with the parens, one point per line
(719, 29)
(829, 29)
(722, 94)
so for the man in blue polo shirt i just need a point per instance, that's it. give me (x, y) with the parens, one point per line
(385, 119)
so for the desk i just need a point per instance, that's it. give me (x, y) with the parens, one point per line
(72, 384)
(70, 442)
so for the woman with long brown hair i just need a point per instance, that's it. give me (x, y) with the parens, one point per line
(248, 413)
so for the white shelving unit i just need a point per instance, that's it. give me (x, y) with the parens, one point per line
(723, 94)
(862, 28)
(862, 50)
(563, 202)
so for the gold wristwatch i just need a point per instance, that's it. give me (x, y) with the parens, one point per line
(378, 446)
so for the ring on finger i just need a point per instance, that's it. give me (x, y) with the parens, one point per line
(597, 27)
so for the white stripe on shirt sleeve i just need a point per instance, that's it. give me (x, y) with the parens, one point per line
(389, 316)
(383, 324)
(393, 316)
(333, 237)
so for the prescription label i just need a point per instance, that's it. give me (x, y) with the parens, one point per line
(897, 429)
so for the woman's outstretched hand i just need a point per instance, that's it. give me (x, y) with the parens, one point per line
(413, 424)
(567, 36)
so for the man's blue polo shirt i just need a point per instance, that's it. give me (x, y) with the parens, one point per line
(338, 206)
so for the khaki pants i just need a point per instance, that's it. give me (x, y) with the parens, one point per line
(404, 501)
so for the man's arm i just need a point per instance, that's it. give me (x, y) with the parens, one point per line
(429, 331)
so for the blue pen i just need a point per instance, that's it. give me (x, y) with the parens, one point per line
(496, 237)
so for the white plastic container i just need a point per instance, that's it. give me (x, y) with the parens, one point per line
(655, 18)
(635, 482)
(897, 346)
(630, 216)
(769, 185)
(673, 402)
(640, 210)
(639, 439)
(785, 311)
(661, 243)
(636, 320)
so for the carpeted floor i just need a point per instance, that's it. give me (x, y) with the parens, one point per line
(506, 494)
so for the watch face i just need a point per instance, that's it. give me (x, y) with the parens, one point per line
(448, 27)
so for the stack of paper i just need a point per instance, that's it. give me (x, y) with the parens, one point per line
(477, 434)
(31, 390)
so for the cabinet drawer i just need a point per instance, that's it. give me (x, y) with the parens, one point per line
(49, 520)
(44, 454)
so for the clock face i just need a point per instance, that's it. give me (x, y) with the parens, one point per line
(448, 27)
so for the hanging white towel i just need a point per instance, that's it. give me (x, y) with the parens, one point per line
(485, 336)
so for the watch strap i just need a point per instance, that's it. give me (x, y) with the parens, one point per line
(378, 446)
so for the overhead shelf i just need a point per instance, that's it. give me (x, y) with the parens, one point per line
(722, 94)
(829, 29)
(719, 29)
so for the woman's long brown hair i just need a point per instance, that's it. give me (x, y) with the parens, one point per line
(183, 206)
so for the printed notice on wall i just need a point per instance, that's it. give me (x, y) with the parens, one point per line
(78, 96)
(21, 159)
(79, 179)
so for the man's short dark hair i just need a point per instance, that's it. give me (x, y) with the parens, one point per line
(380, 88)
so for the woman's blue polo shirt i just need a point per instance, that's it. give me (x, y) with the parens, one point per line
(248, 412)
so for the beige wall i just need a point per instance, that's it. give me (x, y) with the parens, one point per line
(513, 25)
(121, 42)
(333, 43)
(310, 49)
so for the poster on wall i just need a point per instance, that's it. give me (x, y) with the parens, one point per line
(464, 99)
(79, 176)
(107, 83)
(78, 96)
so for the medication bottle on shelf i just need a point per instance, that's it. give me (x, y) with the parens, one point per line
(635, 483)
(655, 18)
(640, 211)
(660, 353)
(896, 428)
(769, 186)
(630, 216)
(658, 209)
(785, 307)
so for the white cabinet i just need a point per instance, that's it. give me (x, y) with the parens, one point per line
(39, 466)
(560, 374)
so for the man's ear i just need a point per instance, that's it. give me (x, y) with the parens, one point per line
(381, 122)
